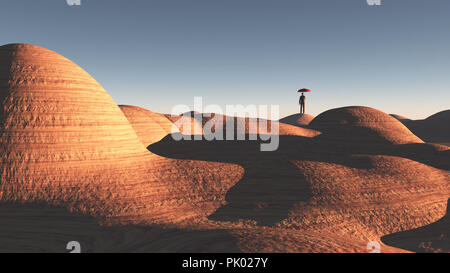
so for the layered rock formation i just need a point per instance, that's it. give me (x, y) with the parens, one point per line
(150, 127)
(207, 123)
(65, 142)
(313, 194)
(186, 125)
(354, 175)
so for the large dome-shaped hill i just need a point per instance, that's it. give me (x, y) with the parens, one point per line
(65, 142)
(359, 124)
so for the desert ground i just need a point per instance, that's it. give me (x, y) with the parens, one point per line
(75, 166)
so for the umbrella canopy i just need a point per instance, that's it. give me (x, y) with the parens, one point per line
(304, 90)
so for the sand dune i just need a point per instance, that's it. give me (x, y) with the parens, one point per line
(39, 228)
(399, 117)
(186, 124)
(354, 193)
(150, 127)
(362, 125)
(298, 119)
(435, 128)
(65, 142)
(74, 168)
(212, 122)
(434, 238)
(314, 205)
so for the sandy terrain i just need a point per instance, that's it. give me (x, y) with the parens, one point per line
(75, 166)
(298, 119)
(204, 123)
(434, 129)
(65, 142)
(149, 127)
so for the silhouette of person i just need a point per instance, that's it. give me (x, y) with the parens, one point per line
(302, 103)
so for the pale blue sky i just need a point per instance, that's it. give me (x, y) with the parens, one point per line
(156, 54)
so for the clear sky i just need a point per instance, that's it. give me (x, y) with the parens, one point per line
(156, 54)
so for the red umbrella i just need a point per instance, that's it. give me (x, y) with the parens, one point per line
(304, 90)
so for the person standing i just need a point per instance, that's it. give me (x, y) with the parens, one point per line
(302, 103)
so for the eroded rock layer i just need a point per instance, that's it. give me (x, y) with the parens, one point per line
(65, 142)
(150, 127)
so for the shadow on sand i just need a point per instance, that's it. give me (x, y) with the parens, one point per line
(268, 189)
(271, 184)
(434, 237)
(35, 228)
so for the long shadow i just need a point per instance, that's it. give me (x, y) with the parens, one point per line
(34, 228)
(434, 237)
(429, 130)
(265, 194)
(423, 153)
(269, 188)
(365, 141)
(271, 184)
